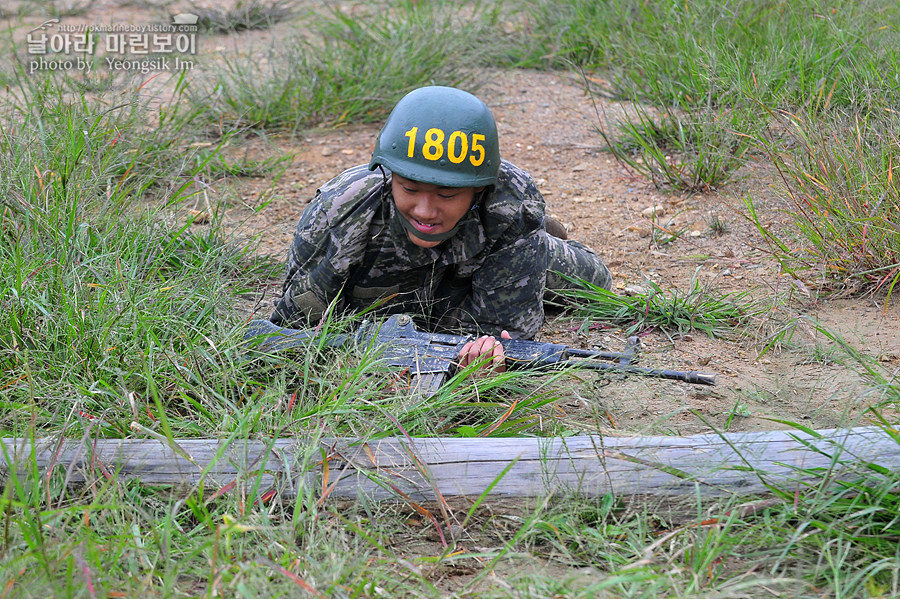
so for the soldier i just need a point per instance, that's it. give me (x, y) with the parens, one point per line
(438, 226)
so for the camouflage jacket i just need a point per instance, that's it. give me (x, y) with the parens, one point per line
(350, 249)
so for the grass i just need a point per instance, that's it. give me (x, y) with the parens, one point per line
(124, 537)
(798, 54)
(245, 15)
(116, 309)
(819, 108)
(102, 292)
(803, 84)
(54, 8)
(842, 202)
(114, 313)
(132, 540)
(673, 311)
(313, 79)
(883, 382)
(717, 225)
(682, 150)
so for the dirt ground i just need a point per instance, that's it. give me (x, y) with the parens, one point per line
(548, 125)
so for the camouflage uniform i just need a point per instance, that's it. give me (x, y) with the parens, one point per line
(351, 250)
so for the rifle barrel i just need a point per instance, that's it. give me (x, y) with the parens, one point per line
(687, 376)
(623, 358)
(589, 353)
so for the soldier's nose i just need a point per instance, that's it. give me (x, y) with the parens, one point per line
(426, 209)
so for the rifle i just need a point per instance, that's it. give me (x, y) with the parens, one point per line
(430, 358)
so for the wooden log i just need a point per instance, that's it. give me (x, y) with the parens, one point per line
(727, 464)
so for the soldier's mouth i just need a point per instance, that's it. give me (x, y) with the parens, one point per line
(423, 227)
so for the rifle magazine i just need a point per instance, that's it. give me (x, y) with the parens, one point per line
(426, 384)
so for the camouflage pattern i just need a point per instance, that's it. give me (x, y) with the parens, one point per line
(575, 260)
(351, 253)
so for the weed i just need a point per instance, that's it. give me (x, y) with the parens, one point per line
(717, 225)
(693, 153)
(312, 81)
(713, 313)
(711, 54)
(843, 204)
(245, 15)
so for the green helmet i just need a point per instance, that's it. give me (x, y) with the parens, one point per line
(440, 135)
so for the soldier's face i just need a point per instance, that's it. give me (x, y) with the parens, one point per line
(430, 208)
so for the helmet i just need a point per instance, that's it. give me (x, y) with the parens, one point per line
(440, 135)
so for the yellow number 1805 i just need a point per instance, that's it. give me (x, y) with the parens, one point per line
(457, 148)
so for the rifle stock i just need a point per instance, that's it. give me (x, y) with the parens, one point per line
(430, 358)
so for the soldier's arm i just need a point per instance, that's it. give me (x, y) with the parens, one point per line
(508, 289)
(311, 281)
(331, 238)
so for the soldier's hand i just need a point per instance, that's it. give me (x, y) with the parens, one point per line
(484, 348)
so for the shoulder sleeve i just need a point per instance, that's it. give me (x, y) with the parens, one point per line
(508, 288)
(329, 241)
